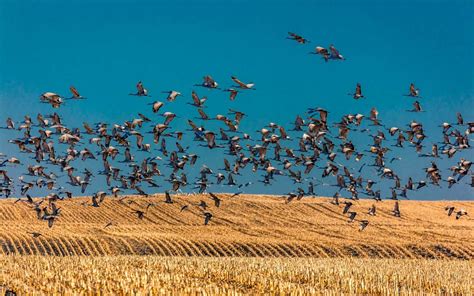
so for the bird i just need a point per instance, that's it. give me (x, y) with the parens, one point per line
(323, 52)
(297, 38)
(460, 213)
(156, 106)
(209, 82)
(35, 234)
(396, 209)
(140, 214)
(413, 91)
(363, 224)
(358, 92)
(416, 107)
(372, 210)
(168, 199)
(216, 199)
(141, 91)
(53, 99)
(352, 216)
(347, 206)
(172, 95)
(449, 210)
(207, 218)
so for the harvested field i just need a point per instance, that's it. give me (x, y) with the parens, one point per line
(250, 226)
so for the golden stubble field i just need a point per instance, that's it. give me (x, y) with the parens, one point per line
(253, 244)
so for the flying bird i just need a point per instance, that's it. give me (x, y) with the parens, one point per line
(358, 93)
(297, 38)
(141, 91)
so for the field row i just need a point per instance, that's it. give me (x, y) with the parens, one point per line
(110, 245)
(257, 226)
(145, 275)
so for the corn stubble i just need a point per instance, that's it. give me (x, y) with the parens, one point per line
(308, 247)
(224, 276)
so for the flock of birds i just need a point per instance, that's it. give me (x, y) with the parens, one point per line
(318, 146)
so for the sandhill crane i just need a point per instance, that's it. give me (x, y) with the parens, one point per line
(172, 95)
(363, 224)
(168, 199)
(207, 218)
(12, 160)
(413, 91)
(460, 213)
(358, 92)
(417, 107)
(460, 120)
(53, 99)
(396, 209)
(140, 214)
(372, 210)
(323, 52)
(297, 38)
(216, 199)
(197, 102)
(352, 216)
(141, 91)
(209, 82)
(115, 191)
(347, 206)
(449, 210)
(10, 123)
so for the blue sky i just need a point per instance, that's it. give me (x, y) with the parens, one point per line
(105, 47)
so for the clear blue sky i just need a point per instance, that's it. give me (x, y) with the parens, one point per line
(104, 47)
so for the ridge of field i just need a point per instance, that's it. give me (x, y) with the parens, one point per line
(157, 275)
(247, 225)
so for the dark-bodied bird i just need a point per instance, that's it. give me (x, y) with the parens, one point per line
(363, 224)
(216, 199)
(297, 38)
(449, 210)
(207, 217)
(460, 213)
(140, 214)
(352, 216)
(141, 91)
(413, 91)
(358, 92)
(347, 206)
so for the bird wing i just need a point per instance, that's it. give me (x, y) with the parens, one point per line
(240, 83)
(74, 92)
(358, 90)
(140, 88)
(334, 51)
(203, 115)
